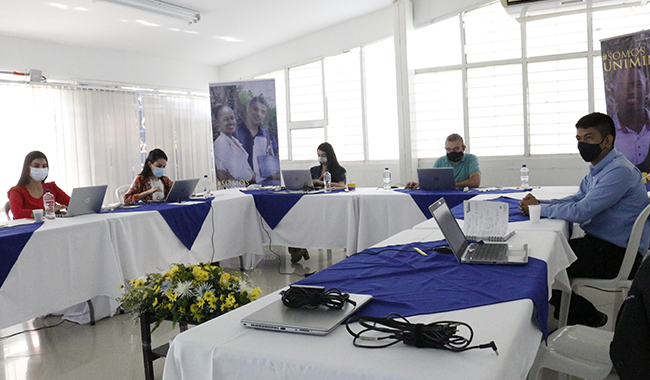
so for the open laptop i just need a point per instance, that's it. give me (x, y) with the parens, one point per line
(319, 321)
(85, 200)
(436, 179)
(298, 180)
(473, 253)
(181, 190)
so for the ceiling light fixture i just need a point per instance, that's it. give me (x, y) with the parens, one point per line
(160, 7)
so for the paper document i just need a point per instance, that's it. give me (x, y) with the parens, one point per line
(486, 220)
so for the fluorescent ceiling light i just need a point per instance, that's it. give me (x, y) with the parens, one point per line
(146, 23)
(160, 7)
(229, 39)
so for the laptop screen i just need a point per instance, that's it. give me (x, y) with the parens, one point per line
(449, 227)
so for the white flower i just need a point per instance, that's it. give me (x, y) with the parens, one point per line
(184, 289)
(202, 288)
(165, 286)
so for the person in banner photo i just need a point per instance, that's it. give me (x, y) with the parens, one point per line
(632, 118)
(231, 160)
(260, 144)
(626, 89)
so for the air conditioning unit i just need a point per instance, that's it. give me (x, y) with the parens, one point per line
(536, 9)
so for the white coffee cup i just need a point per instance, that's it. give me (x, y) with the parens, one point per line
(38, 215)
(534, 211)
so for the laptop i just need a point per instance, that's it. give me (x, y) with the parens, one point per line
(319, 321)
(85, 200)
(181, 190)
(436, 179)
(298, 180)
(473, 253)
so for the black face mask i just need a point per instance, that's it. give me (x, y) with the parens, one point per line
(589, 152)
(455, 156)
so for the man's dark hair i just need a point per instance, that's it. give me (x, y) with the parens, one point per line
(601, 122)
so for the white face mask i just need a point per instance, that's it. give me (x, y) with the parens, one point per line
(38, 174)
(322, 160)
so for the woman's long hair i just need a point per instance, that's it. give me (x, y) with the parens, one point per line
(154, 155)
(25, 174)
(332, 163)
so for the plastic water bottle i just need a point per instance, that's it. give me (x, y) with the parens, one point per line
(49, 205)
(523, 174)
(206, 187)
(327, 179)
(386, 179)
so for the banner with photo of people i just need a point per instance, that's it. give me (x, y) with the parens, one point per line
(626, 64)
(245, 133)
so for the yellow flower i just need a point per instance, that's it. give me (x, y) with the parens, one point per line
(224, 279)
(121, 285)
(255, 293)
(137, 283)
(172, 295)
(194, 308)
(200, 275)
(200, 302)
(230, 301)
(209, 296)
(145, 295)
(155, 302)
(156, 288)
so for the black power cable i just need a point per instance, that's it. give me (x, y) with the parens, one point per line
(441, 334)
(311, 297)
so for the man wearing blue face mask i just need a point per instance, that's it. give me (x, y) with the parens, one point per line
(151, 184)
(466, 170)
(610, 198)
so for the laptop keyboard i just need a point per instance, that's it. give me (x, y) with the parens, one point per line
(489, 252)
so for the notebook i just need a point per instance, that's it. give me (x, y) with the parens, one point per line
(181, 190)
(473, 253)
(298, 180)
(436, 179)
(85, 200)
(320, 321)
(486, 220)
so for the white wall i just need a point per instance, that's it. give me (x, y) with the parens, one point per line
(67, 62)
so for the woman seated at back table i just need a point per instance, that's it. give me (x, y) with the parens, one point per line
(151, 183)
(27, 195)
(328, 162)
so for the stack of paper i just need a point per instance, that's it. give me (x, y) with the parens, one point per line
(486, 220)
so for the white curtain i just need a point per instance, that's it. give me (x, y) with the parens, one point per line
(180, 126)
(92, 137)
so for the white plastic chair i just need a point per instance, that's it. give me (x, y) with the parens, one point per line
(578, 350)
(120, 191)
(620, 283)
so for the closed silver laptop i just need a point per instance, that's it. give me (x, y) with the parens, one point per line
(319, 321)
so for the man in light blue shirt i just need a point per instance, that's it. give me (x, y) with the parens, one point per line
(610, 198)
(465, 165)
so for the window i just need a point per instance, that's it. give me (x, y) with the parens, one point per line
(523, 95)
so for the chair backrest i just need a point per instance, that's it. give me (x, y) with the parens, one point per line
(120, 191)
(8, 210)
(633, 244)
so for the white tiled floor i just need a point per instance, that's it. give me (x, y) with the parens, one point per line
(112, 348)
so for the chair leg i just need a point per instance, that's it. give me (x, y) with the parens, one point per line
(91, 309)
(564, 309)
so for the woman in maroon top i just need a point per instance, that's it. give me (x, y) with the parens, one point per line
(27, 195)
(151, 183)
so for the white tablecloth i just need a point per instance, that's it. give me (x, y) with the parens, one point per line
(66, 262)
(69, 261)
(222, 349)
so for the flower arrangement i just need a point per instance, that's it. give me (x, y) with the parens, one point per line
(189, 293)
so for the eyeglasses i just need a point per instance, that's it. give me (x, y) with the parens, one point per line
(454, 149)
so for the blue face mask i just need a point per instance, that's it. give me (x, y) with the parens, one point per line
(158, 172)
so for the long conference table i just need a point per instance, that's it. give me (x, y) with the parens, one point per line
(68, 261)
(223, 349)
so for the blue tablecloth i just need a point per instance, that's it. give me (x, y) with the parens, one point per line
(405, 282)
(514, 215)
(185, 219)
(274, 205)
(424, 198)
(12, 242)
